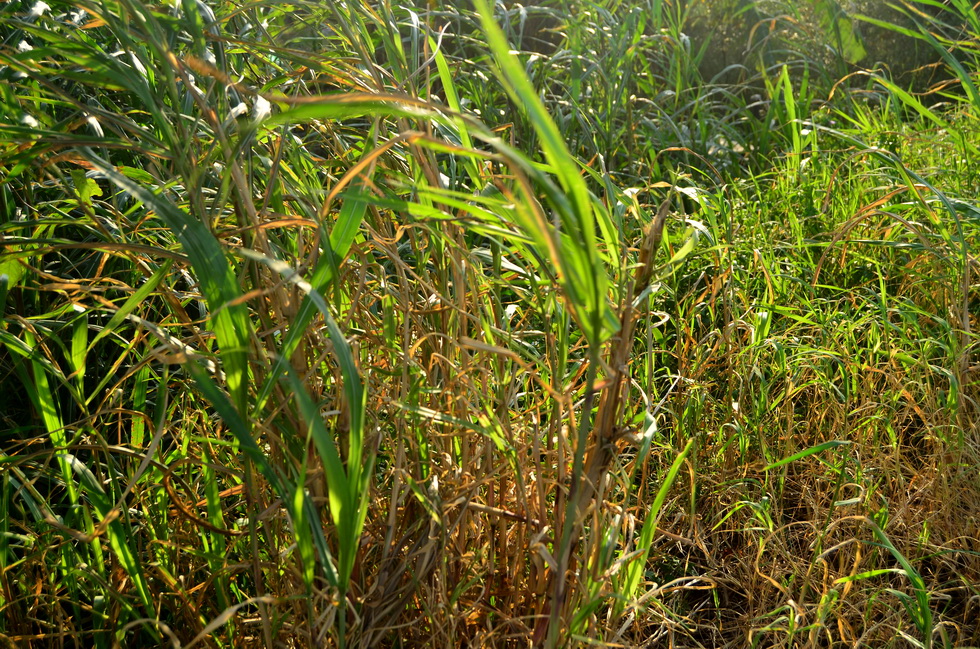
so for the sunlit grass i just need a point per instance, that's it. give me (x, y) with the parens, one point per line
(355, 325)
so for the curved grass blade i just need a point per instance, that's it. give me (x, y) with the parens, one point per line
(584, 280)
(336, 248)
(348, 488)
(807, 452)
(286, 491)
(120, 539)
(635, 570)
(218, 282)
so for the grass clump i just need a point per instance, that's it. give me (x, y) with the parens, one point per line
(359, 325)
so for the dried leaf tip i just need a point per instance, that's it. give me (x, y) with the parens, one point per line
(651, 243)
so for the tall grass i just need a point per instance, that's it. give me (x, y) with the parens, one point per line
(352, 324)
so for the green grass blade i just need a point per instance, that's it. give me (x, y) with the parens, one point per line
(218, 282)
(808, 452)
(241, 430)
(921, 611)
(586, 282)
(347, 488)
(120, 539)
(350, 105)
(341, 238)
(634, 571)
(133, 301)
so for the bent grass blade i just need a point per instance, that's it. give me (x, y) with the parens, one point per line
(218, 282)
(348, 488)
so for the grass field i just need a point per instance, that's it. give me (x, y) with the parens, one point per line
(354, 324)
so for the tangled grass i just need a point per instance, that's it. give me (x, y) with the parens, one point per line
(359, 325)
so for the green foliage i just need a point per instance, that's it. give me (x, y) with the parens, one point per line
(358, 324)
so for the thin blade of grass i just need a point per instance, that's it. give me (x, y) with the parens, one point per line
(218, 282)
(635, 570)
(241, 430)
(586, 283)
(806, 453)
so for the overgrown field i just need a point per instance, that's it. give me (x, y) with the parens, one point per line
(353, 324)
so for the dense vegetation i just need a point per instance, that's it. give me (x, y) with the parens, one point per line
(352, 324)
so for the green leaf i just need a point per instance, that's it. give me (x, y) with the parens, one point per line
(341, 238)
(304, 540)
(79, 340)
(574, 250)
(839, 28)
(240, 428)
(11, 272)
(119, 538)
(690, 240)
(810, 451)
(634, 571)
(218, 282)
(85, 188)
(347, 106)
(134, 300)
(348, 488)
(870, 574)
